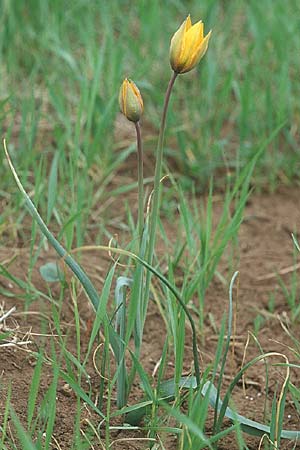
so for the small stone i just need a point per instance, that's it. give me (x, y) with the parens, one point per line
(66, 390)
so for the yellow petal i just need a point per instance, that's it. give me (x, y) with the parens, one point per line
(197, 54)
(131, 102)
(194, 36)
(176, 43)
(122, 95)
(188, 45)
(201, 31)
(188, 22)
(203, 48)
(192, 39)
(136, 93)
(125, 93)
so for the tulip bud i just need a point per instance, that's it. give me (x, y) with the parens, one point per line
(188, 46)
(130, 100)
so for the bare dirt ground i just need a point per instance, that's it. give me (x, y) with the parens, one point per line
(265, 249)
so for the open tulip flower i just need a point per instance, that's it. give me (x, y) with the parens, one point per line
(188, 46)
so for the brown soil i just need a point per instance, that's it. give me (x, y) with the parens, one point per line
(265, 249)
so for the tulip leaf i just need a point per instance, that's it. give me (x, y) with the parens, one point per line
(167, 391)
(248, 426)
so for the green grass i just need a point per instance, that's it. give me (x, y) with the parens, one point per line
(61, 70)
(61, 65)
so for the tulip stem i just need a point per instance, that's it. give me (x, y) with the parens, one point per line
(156, 195)
(140, 182)
(158, 166)
(154, 219)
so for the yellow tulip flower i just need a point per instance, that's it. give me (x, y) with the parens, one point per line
(130, 100)
(188, 46)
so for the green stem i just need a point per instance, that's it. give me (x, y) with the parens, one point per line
(157, 176)
(153, 224)
(156, 193)
(140, 182)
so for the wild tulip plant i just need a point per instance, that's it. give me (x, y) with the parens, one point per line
(188, 46)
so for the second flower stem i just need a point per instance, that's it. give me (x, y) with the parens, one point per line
(140, 182)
